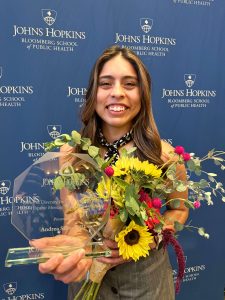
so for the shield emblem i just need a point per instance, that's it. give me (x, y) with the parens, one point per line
(0, 72)
(10, 288)
(146, 24)
(4, 186)
(49, 16)
(54, 130)
(189, 79)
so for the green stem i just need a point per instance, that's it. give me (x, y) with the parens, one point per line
(96, 290)
(181, 199)
(82, 289)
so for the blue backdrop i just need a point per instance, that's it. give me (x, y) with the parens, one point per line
(47, 49)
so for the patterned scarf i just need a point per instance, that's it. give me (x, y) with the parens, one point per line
(112, 148)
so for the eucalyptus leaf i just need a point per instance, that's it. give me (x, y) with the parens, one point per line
(178, 226)
(191, 165)
(93, 151)
(212, 174)
(65, 137)
(76, 137)
(223, 199)
(181, 187)
(58, 142)
(211, 179)
(58, 183)
(201, 231)
(198, 171)
(203, 183)
(175, 203)
(189, 204)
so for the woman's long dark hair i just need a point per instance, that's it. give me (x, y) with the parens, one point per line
(145, 133)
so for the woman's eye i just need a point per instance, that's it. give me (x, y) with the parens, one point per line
(130, 84)
(104, 84)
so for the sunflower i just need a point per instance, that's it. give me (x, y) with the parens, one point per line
(133, 241)
(125, 165)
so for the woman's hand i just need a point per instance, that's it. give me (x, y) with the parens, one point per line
(69, 269)
(115, 259)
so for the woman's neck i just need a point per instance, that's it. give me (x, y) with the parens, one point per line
(112, 134)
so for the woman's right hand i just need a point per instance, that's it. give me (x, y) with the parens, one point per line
(69, 269)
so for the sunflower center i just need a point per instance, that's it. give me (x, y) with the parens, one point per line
(132, 237)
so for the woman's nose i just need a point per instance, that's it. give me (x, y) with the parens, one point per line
(117, 90)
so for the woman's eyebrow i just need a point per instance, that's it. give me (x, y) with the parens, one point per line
(123, 77)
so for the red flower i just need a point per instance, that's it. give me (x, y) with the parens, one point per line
(144, 197)
(157, 203)
(196, 204)
(179, 150)
(186, 156)
(109, 171)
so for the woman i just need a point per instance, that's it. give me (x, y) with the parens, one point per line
(117, 115)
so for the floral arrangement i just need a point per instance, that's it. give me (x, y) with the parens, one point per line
(139, 191)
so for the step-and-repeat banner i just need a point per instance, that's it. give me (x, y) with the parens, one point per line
(47, 49)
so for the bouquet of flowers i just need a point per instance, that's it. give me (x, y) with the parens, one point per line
(139, 192)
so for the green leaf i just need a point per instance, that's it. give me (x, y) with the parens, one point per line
(158, 227)
(212, 174)
(58, 142)
(131, 201)
(203, 183)
(86, 143)
(171, 174)
(65, 137)
(181, 187)
(122, 183)
(223, 199)
(191, 165)
(175, 203)
(93, 151)
(210, 153)
(201, 231)
(123, 215)
(78, 179)
(189, 204)
(198, 171)
(76, 137)
(58, 183)
(178, 226)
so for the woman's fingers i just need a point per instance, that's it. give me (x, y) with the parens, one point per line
(76, 274)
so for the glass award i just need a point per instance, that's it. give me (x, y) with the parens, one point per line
(63, 201)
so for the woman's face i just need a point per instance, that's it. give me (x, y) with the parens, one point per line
(118, 95)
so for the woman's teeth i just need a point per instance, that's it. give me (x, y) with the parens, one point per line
(117, 108)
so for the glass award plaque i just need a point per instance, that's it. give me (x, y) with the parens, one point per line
(62, 201)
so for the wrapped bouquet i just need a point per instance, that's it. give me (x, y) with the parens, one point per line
(139, 194)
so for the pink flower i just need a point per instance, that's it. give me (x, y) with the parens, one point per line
(157, 203)
(109, 171)
(186, 156)
(196, 204)
(179, 150)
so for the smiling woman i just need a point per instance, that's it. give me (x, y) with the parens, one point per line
(118, 114)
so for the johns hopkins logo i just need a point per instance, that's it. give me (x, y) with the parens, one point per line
(146, 24)
(0, 72)
(4, 186)
(54, 130)
(49, 16)
(189, 79)
(10, 288)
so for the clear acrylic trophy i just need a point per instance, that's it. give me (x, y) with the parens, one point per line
(64, 200)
